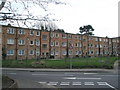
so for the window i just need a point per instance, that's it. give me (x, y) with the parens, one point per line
(31, 52)
(96, 39)
(0, 29)
(70, 36)
(57, 52)
(37, 33)
(10, 31)
(57, 44)
(63, 36)
(31, 42)
(64, 52)
(57, 35)
(44, 37)
(52, 52)
(21, 42)
(21, 52)
(76, 44)
(37, 52)
(76, 37)
(100, 39)
(64, 44)
(52, 35)
(31, 32)
(70, 52)
(10, 52)
(77, 52)
(21, 31)
(96, 45)
(10, 41)
(37, 42)
(100, 46)
(44, 46)
(52, 44)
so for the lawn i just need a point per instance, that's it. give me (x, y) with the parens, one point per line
(94, 62)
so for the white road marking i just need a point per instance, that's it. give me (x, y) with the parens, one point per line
(90, 73)
(81, 78)
(39, 74)
(12, 73)
(76, 83)
(52, 83)
(105, 83)
(89, 83)
(64, 83)
(42, 82)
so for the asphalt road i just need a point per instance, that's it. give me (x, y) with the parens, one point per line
(31, 79)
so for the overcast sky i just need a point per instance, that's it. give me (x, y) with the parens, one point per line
(101, 14)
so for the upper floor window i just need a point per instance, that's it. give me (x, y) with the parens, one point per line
(57, 44)
(52, 35)
(52, 43)
(70, 36)
(44, 37)
(10, 41)
(100, 39)
(21, 31)
(44, 46)
(57, 35)
(31, 32)
(31, 42)
(76, 36)
(76, 44)
(37, 42)
(10, 31)
(10, 52)
(63, 35)
(64, 44)
(37, 33)
(21, 42)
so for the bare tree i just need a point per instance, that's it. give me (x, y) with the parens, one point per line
(28, 13)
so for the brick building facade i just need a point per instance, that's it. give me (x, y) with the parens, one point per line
(23, 43)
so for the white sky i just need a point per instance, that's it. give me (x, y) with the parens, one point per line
(101, 14)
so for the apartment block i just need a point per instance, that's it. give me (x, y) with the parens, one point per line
(23, 43)
(0, 42)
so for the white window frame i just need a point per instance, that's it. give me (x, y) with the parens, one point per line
(30, 52)
(10, 41)
(9, 52)
(10, 31)
(76, 52)
(21, 42)
(56, 44)
(31, 33)
(56, 52)
(21, 31)
(21, 52)
(64, 52)
(37, 52)
(63, 35)
(52, 52)
(70, 52)
(37, 33)
(52, 35)
(52, 44)
(57, 36)
(37, 43)
(64, 44)
(30, 42)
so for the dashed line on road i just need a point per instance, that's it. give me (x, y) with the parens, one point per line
(52, 83)
(89, 83)
(42, 82)
(12, 73)
(64, 83)
(89, 73)
(81, 78)
(39, 74)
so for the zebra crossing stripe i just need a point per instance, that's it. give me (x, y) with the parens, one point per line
(76, 83)
(64, 83)
(52, 83)
(89, 83)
